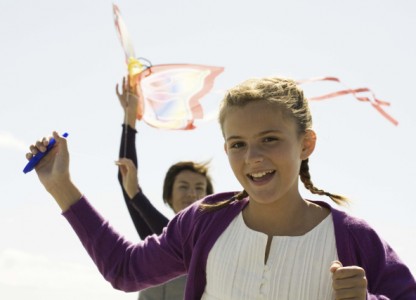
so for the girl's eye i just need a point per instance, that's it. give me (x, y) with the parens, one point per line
(237, 145)
(270, 139)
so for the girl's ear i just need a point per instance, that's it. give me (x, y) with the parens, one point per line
(308, 143)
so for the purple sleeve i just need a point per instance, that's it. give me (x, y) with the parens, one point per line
(376, 297)
(388, 277)
(127, 266)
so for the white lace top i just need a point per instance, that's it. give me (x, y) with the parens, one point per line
(297, 266)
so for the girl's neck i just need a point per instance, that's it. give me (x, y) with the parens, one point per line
(292, 217)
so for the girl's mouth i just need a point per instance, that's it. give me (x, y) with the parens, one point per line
(261, 176)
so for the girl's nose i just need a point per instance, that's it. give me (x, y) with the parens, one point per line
(253, 155)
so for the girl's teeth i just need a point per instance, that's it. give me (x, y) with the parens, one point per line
(261, 174)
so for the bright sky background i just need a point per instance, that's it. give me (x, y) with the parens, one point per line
(60, 61)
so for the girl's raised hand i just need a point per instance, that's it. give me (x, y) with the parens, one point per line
(348, 282)
(54, 166)
(129, 174)
(53, 170)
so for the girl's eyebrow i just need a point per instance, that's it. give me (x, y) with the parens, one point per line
(233, 137)
(265, 132)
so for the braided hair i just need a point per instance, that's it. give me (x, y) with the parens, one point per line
(286, 94)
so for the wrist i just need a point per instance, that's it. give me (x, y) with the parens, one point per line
(132, 123)
(132, 192)
(65, 194)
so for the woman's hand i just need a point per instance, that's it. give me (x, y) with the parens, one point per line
(348, 282)
(129, 174)
(53, 170)
(129, 101)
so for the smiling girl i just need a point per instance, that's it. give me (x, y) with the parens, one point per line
(266, 242)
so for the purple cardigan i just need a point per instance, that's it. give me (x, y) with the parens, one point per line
(185, 243)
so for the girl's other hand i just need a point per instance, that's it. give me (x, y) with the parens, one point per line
(348, 282)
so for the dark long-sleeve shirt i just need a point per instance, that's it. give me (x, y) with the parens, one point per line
(146, 218)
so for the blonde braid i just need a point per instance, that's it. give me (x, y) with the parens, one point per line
(305, 177)
(215, 206)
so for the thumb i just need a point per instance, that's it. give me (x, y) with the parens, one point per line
(60, 140)
(335, 265)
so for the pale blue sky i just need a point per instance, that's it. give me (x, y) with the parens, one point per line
(60, 61)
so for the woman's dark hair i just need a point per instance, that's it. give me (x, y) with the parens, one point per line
(174, 170)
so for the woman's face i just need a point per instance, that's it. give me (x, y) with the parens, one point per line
(187, 188)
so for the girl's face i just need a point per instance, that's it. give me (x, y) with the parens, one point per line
(187, 188)
(265, 151)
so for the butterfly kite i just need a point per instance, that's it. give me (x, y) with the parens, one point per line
(169, 94)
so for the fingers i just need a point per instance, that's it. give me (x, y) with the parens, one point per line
(121, 96)
(59, 139)
(125, 162)
(117, 91)
(129, 87)
(348, 272)
(38, 146)
(123, 89)
(129, 173)
(126, 84)
(126, 95)
(42, 145)
(335, 265)
(348, 282)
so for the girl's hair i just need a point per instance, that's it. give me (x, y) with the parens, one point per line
(287, 95)
(174, 170)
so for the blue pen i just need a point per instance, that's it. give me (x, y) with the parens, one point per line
(36, 159)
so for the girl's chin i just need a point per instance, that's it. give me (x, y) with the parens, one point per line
(262, 197)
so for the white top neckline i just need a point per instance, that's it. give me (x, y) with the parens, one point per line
(297, 266)
(241, 222)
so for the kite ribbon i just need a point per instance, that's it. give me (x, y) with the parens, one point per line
(376, 103)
